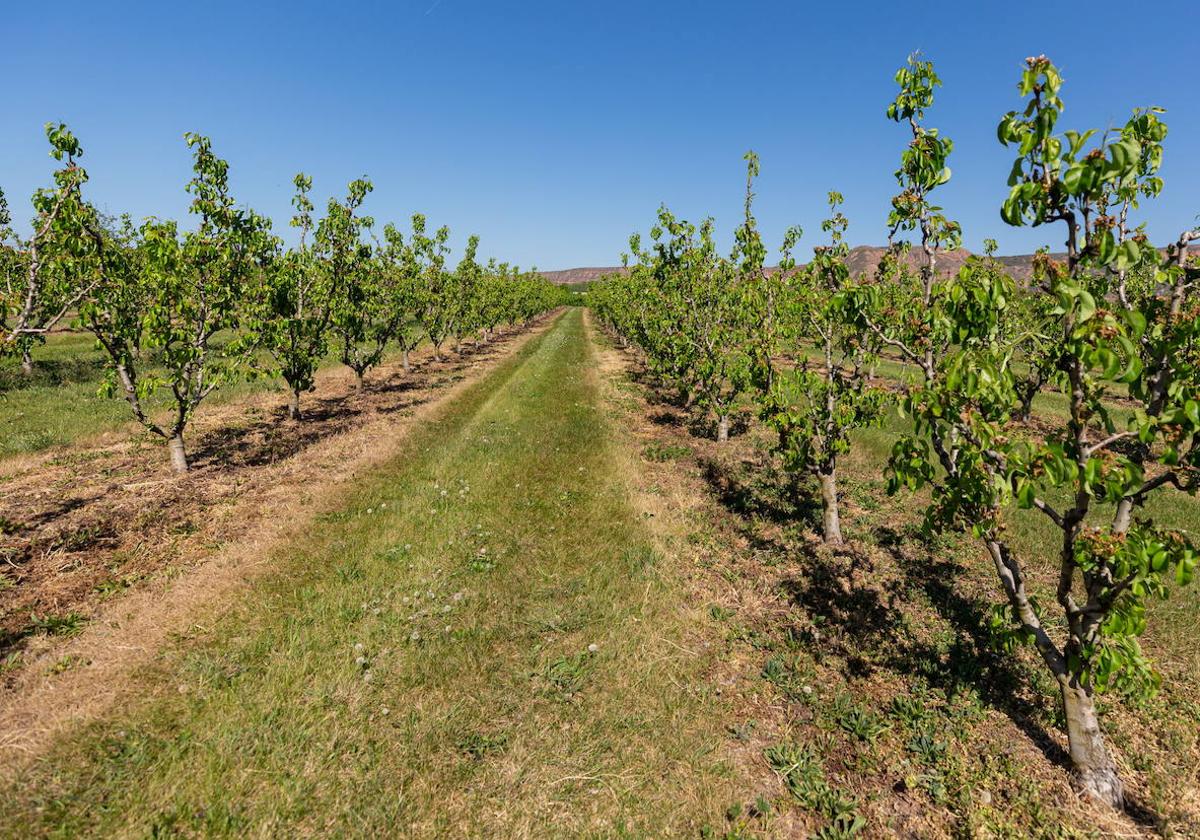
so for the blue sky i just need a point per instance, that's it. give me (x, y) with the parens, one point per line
(553, 129)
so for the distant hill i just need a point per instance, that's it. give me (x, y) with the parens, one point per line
(575, 276)
(863, 259)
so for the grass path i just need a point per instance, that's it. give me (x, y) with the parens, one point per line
(481, 642)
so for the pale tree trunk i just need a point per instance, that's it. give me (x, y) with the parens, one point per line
(831, 525)
(723, 428)
(26, 361)
(1024, 412)
(358, 381)
(294, 404)
(1094, 770)
(1123, 516)
(407, 367)
(179, 461)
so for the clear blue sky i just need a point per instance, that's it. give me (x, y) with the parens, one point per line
(553, 129)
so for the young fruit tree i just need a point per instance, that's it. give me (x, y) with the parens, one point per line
(364, 319)
(436, 308)
(813, 404)
(45, 277)
(464, 294)
(402, 276)
(1126, 326)
(643, 310)
(703, 307)
(161, 313)
(291, 309)
(496, 285)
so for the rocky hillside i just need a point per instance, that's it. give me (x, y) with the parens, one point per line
(863, 259)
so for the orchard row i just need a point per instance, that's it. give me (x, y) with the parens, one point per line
(1112, 327)
(182, 311)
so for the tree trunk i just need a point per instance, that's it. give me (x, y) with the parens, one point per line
(1095, 773)
(294, 404)
(26, 362)
(407, 368)
(831, 525)
(1024, 412)
(179, 461)
(1123, 516)
(358, 381)
(723, 428)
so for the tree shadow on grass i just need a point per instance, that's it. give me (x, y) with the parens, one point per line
(972, 661)
(757, 488)
(52, 373)
(855, 621)
(273, 437)
(868, 628)
(859, 611)
(656, 393)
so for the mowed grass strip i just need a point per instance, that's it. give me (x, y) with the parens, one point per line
(482, 643)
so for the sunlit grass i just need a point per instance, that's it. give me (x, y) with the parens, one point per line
(481, 641)
(60, 403)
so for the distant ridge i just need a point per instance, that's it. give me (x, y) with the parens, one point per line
(863, 259)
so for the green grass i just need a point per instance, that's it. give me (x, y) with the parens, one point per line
(480, 642)
(60, 403)
(1034, 537)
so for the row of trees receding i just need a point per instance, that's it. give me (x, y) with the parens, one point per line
(179, 312)
(1113, 327)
